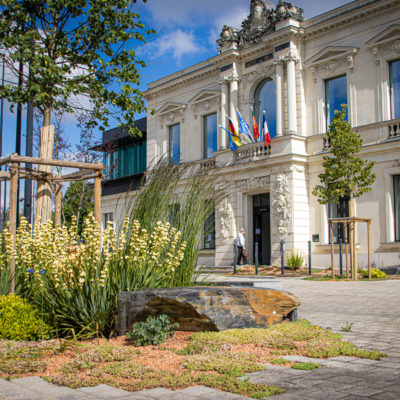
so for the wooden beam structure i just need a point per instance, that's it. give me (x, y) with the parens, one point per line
(351, 222)
(13, 219)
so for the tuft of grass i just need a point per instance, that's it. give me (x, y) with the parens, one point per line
(280, 361)
(18, 367)
(305, 366)
(347, 327)
(110, 354)
(228, 364)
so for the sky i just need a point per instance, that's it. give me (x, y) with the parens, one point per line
(186, 33)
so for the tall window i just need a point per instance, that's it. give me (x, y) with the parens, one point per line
(106, 218)
(210, 135)
(175, 143)
(395, 88)
(339, 210)
(209, 232)
(265, 100)
(335, 96)
(396, 191)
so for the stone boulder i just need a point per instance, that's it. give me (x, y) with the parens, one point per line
(206, 308)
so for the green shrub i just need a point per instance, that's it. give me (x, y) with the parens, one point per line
(295, 259)
(375, 273)
(305, 366)
(155, 330)
(19, 320)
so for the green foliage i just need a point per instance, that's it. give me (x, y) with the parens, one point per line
(161, 198)
(155, 331)
(77, 202)
(295, 259)
(280, 361)
(19, 320)
(287, 338)
(375, 273)
(305, 366)
(347, 327)
(345, 173)
(228, 364)
(74, 48)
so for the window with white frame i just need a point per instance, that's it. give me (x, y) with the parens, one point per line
(209, 232)
(396, 198)
(107, 217)
(210, 135)
(335, 96)
(394, 71)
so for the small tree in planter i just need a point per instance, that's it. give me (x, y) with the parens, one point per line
(346, 174)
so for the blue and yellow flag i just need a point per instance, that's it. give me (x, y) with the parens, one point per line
(234, 140)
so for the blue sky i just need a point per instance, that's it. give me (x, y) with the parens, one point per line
(186, 34)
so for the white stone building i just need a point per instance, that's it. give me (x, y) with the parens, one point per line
(299, 71)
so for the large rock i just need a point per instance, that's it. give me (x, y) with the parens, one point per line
(207, 308)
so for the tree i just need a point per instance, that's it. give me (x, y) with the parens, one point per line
(78, 202)
(78, 51)
(346, 174)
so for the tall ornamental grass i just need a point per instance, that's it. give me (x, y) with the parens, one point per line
(74, 281)
(183, 196)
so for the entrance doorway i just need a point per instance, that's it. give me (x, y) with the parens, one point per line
(262, 228)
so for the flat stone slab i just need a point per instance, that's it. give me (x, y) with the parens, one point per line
(207, 308)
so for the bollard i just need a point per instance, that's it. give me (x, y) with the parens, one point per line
(283, 257)
(340, 257)
(256, 256)
(234, 258)
(309, 257)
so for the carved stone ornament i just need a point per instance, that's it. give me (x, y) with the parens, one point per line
(390, 49)
(262, 71)
(228, 35)
(281, 204)
(253, 183)
(225, 218)
(262, 19)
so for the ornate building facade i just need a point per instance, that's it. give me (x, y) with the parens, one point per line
(298, 71)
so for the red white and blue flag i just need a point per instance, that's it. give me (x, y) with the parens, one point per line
(265, 131)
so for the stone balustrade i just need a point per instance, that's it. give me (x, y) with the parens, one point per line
(252, 152)
(394, 128)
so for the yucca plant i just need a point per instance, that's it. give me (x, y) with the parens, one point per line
(295, 259)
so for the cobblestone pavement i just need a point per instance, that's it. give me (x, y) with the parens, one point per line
(372, 307)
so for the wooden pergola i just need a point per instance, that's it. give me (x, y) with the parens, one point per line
(43, 174)
(350, 225)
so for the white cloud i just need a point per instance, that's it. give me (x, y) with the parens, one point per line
(177, 44)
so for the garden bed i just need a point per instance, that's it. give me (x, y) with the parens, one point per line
(214, 359)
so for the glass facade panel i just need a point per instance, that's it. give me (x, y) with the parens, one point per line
(209, 232)
(395, 88)
(335, 96)
(339, 210)
(265, 100)
(175, 143)
(396, 192)
(126, 160)
(210, 135)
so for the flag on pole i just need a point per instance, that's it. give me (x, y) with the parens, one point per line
(232, 128)
(234, 141)
(267, 138)
(256, 132)
(244, 127)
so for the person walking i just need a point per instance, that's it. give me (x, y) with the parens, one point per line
(241, 242)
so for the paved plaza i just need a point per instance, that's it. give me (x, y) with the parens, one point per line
(372, 307)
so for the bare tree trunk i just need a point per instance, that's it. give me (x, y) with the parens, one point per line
(43, 205)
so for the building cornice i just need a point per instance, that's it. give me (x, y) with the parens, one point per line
(346, 15)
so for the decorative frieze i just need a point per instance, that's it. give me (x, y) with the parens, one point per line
(281, 204)
(225, 218)
(253, 183)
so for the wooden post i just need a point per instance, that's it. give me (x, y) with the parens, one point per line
(369, 250)
(13, 219)
(354, 252)
(97, 197)
(58, 201)
(346, 248)
(332, 253)
(43, 204)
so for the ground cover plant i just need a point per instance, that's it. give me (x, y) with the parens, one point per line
(219, 360)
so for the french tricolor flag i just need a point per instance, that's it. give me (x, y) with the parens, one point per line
(267, 138)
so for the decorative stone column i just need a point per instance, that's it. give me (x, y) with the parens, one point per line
(223, 111)
(279, 98)
(291, 83)
(234, 97)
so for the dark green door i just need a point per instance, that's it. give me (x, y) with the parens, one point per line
(262, 228)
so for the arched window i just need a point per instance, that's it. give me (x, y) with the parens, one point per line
(265, 100)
